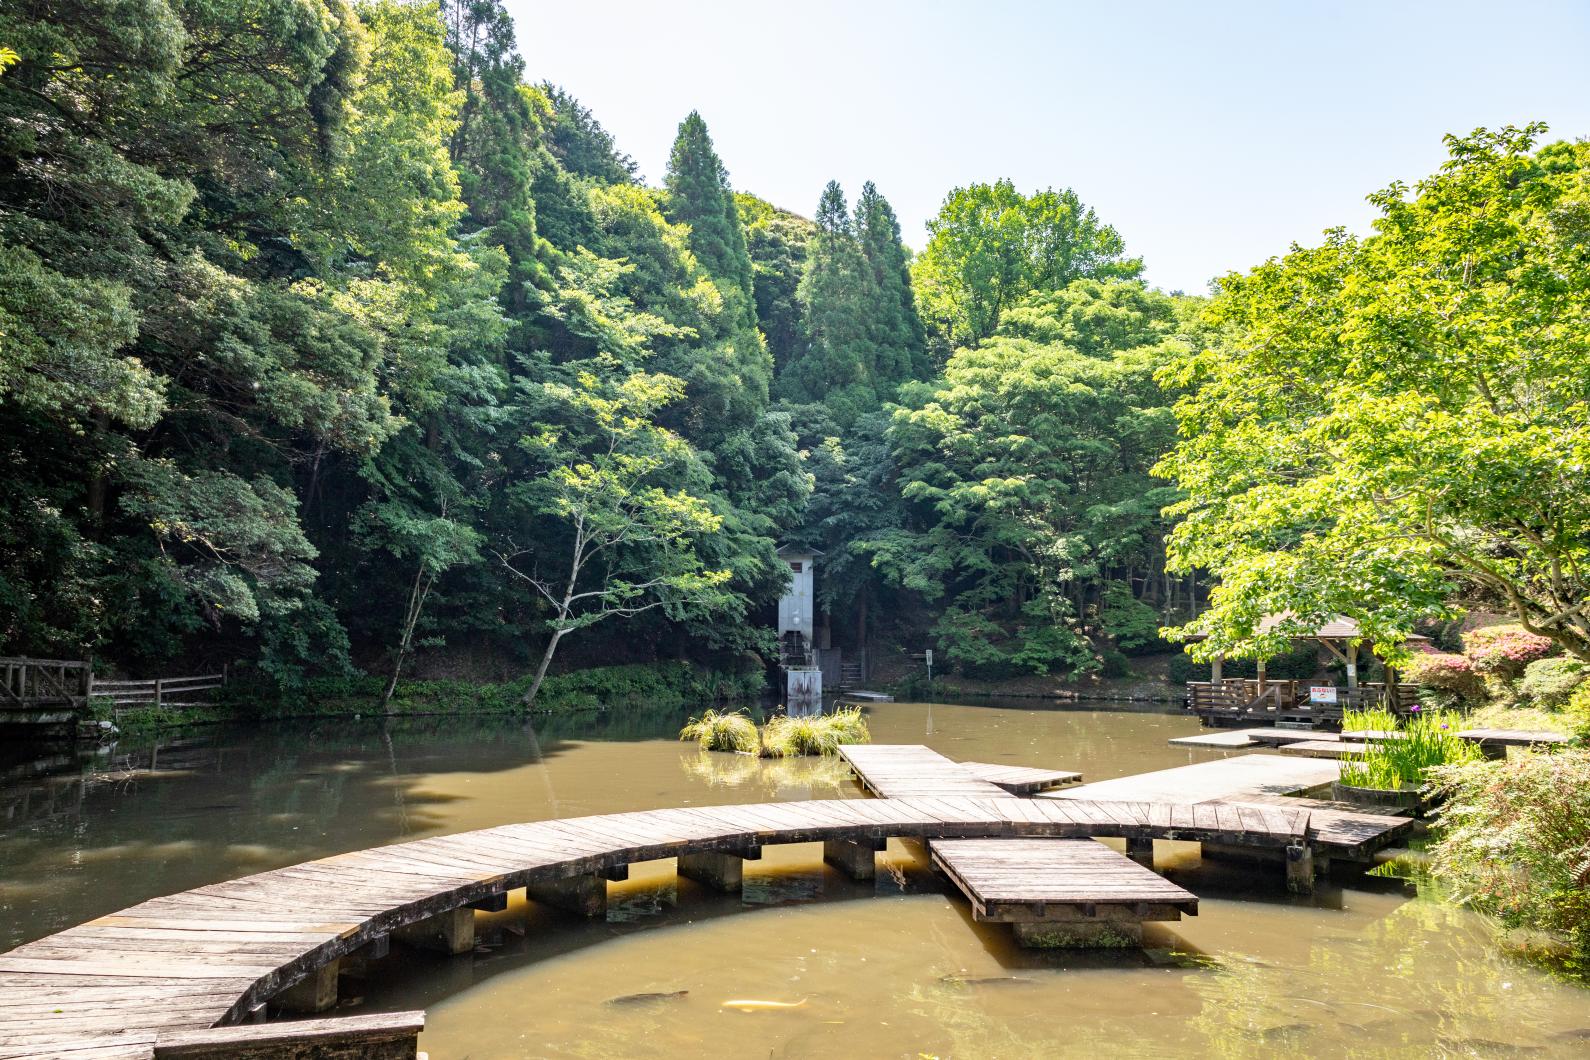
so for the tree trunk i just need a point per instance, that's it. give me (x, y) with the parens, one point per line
(541, 671)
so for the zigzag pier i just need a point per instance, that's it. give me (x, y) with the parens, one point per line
(189, 974)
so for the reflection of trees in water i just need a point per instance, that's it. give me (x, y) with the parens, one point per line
(720, 769)
(1427, 978)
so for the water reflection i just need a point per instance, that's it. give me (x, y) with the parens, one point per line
(894, 967)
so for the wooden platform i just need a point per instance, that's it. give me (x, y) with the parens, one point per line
(1513, 738)
(1237, 739)
(1325, 748)
(1259, 780)
(909, 770)
(1021, 780)
(1265, 774)
(211, 956)
(1061, 891)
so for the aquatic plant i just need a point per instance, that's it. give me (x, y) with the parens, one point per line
(730, 731)
(1514, 840)
(820, 734)
(1423, 742)
(1372, 719)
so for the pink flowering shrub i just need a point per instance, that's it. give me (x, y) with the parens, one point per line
(1504, 651)
(1449, 673)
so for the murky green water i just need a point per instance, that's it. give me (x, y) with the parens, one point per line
(894, 968)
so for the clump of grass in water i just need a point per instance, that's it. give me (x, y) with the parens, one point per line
(733, 731)
(1424, 742)
(821, 734)
(1374, 719)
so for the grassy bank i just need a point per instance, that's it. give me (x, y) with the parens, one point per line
(662, 685)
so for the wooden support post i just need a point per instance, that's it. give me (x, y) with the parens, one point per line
(1259, 670)
(1352, 664)
(720, 871)
(1104, 933)
(854, 857)
(316, 992)
(1300, 869)
(452, 931)
(1141, 851)
(582, 895)
(1216, 668)
(358, 962)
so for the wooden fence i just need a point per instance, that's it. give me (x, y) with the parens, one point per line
(159, 692)
(28, 683)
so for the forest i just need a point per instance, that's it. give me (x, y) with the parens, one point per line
(333, 341)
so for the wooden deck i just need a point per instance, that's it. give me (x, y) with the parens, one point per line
(1021, 780)
(1060, 892)
(909, 770)
(1015, 880)
(211, 956)
(1258, 780)
(1325, 748)
(1513, 738)
(1238, 739)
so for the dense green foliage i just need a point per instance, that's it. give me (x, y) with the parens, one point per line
(1389, 422)
(1515, 840)
(331, 342)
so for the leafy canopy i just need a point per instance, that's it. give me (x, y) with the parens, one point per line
(1388, 421)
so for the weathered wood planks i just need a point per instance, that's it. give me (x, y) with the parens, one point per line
(902, 771)
(1011, 880)
(1021, 780)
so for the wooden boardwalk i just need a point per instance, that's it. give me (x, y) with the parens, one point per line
(211, 956)
(1021, 780)
(1325, 748)
(909, 770)
(1060, 892)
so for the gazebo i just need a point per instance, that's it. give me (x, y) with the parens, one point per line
(1243, 698)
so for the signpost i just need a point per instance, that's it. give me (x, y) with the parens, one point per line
(1322, 694)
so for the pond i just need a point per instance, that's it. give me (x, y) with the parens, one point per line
(891, 968)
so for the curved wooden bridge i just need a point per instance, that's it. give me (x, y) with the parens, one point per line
(123, 985)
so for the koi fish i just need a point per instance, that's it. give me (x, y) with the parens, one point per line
(750, 1005)
(638, 999)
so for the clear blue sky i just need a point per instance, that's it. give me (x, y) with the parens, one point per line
(1212, 135)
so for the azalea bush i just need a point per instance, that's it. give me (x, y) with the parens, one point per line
(1514, 840)
(1447, 673)
(1504, 651)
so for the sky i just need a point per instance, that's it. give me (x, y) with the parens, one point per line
(1211, 135)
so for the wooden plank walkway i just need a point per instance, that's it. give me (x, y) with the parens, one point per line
(1237, 739)
(1210, 781)
(1021, 780)
(1325, 748)
(1513, 737)
(210, 956)
(909, 770)
(1026, 880)
(1258, 780)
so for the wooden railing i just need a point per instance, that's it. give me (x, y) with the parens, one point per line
(26, 682)
(160, 692)
(1241, 698)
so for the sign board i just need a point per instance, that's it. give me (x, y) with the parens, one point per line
(1352, 670)
(929, 656)
(1322, 694)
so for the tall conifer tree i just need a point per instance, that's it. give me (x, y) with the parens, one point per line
(699, 196)
(897, 334)
(838, 298)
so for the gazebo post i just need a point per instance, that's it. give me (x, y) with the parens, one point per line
(1215, 665)
(1352, 665)
(1259, 666)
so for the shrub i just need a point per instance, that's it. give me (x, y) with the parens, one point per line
(1578, 710)
(1504, 651)
(1549, 683)
(1447, 673)
(722, 732)
(1184, 668)
(1514, 840)
(1116, 664)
